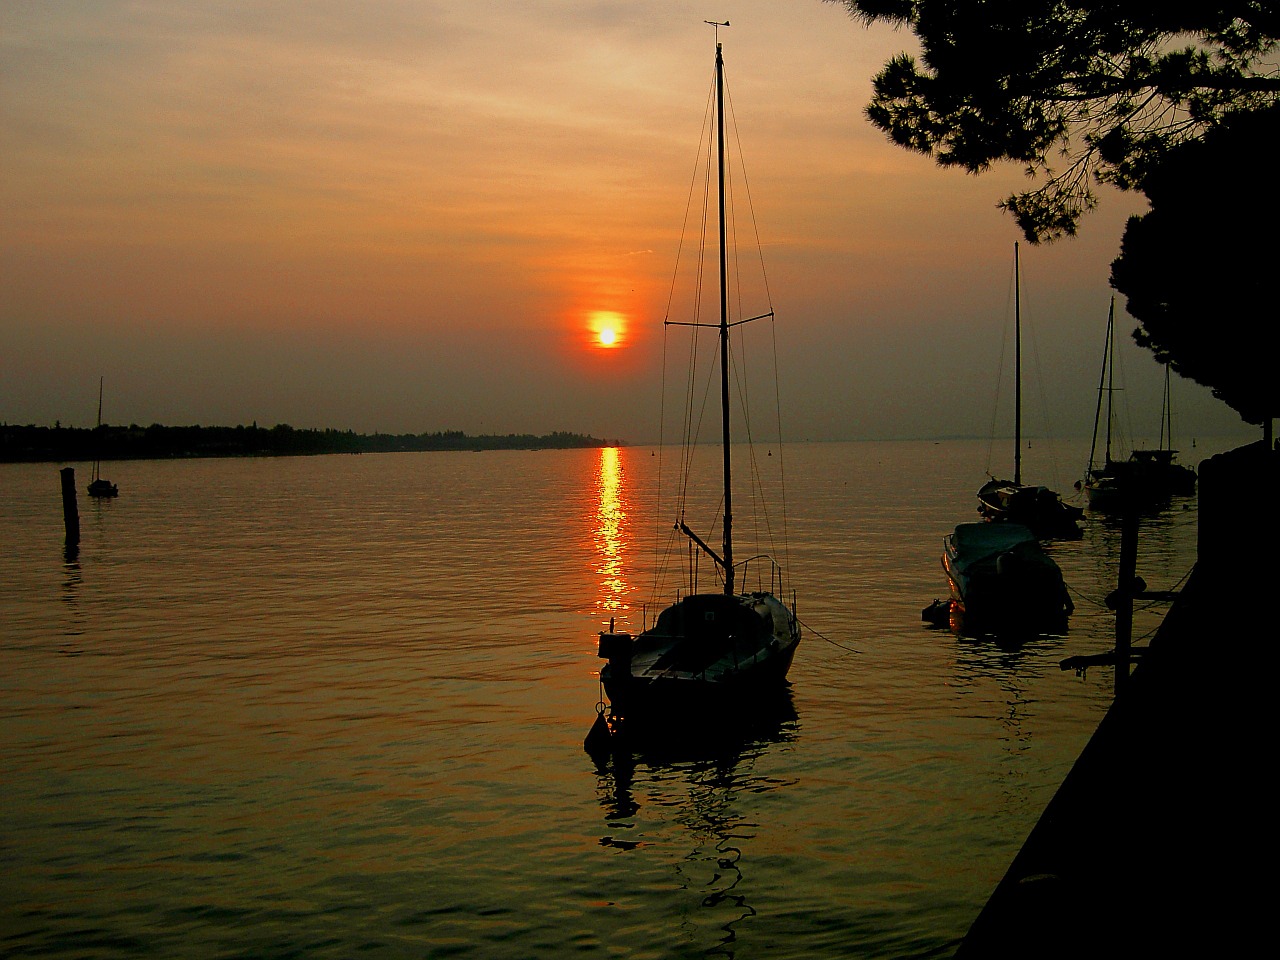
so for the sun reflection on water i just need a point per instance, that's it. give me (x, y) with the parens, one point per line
(611, 533)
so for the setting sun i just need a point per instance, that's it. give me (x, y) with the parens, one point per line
(607, 326)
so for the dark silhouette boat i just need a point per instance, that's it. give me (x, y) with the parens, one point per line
(1002, 581)
(98, 487)
(1148, 478)
(705, 650)
(1038, 508)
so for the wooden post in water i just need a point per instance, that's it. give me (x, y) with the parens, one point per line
(70, 512)
(1126, 589)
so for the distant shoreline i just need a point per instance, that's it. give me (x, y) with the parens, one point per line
(57, 444)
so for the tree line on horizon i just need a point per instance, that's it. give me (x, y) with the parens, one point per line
(34, 444)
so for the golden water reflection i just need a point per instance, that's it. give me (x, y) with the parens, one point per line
(611, 532)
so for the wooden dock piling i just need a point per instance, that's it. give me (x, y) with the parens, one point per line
(1127, 587)
(70, 511)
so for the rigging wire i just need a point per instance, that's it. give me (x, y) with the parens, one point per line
(768, 296)
(1004, 344)
(1127, 436)
(699, 166)
(699, 386)
(1013, 305)
(1046, 424)
(762, 513)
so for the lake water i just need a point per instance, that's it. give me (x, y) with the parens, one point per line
(334, 707)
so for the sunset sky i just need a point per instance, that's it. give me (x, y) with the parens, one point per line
(416, 215)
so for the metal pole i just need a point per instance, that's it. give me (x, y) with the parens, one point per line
(1127, 587)
(1111, 371)
(1017, 370)
(724, 334)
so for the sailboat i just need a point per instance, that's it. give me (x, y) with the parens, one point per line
(706, 650)
(1038, 508)
(1102, 483)
(1148, 477)
(1159, 466)
(99, 487)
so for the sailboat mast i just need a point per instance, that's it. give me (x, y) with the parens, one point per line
(1102, 388)
(1111, 369)
(1166, 414)
(724, 331)
(97, 437)
(1017, 370)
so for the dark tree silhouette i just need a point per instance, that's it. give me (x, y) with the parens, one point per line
(1079, 92)
(1177, 99)
(33, 444)
(1197, 269)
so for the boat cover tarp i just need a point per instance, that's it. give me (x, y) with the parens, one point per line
(721, 624)
(973, 541)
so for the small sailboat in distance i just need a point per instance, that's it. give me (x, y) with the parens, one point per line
(1162, 469)
(98, 487)
(1038, 508)
(706, 650)
(1148, 478)
(1102, 485)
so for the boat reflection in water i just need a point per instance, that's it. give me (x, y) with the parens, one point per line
(716, 732)
(695, 786)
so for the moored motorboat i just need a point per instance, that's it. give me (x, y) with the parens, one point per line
(1002, 581)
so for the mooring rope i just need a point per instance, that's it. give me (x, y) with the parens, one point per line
(1102, 604)
(821, 636)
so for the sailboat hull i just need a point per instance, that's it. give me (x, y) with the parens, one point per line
(1037, 508)
(103, 488)
(705, 651)
(1149, 478)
